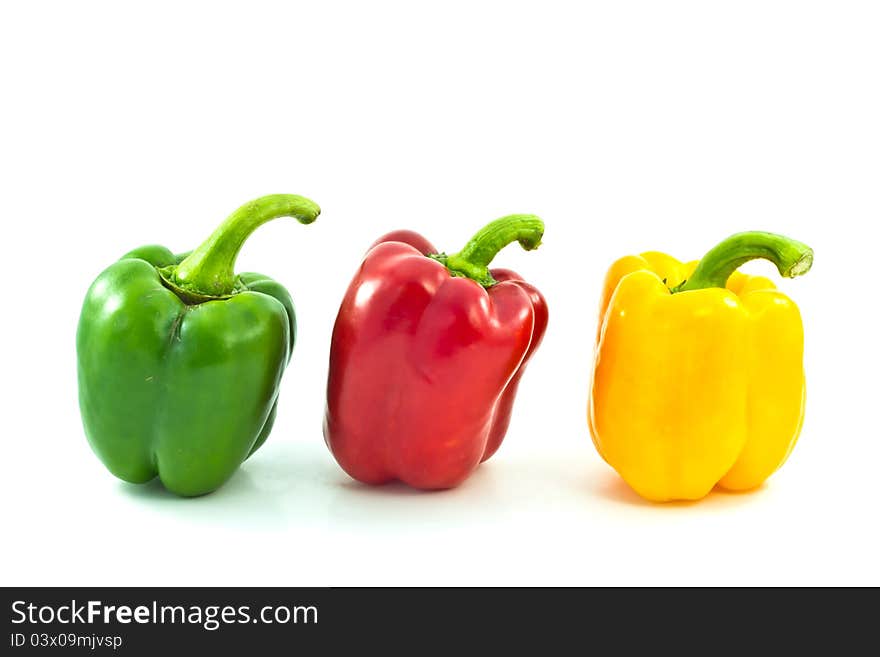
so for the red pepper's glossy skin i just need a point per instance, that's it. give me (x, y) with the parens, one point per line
(424, 366)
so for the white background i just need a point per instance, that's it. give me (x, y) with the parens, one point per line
(627, 126)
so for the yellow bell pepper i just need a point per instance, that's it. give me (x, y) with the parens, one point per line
(698, 378)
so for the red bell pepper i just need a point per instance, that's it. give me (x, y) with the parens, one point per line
(426, 356)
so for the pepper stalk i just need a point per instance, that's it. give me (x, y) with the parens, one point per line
(474, 259)
(209, 271)
(792, 258)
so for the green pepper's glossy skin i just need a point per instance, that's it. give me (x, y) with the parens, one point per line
(172, 388)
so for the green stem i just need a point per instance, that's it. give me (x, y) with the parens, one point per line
(209, 271)
(473, 260)
(792, 258)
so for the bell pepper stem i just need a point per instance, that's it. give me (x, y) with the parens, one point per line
(209, 271)
(792, 258)
(473, 260)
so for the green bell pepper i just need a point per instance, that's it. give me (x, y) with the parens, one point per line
(179, 360)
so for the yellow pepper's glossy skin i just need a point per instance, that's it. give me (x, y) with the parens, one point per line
(698, 388)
